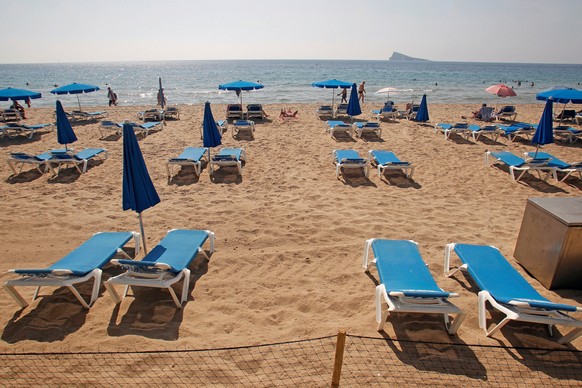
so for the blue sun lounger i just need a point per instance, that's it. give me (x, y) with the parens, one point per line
(81, 158)
(22, 158)
(566, 133)
(243, 125)
(406, 284)
(457, 128)
(387, 160)
(227, 157)
(11, 129)
(191, 156)
(164, 265)
(334, 126)
(222, 126)
(560, 166)
(349, 159)
(518, 129)
(515, 163)
(476, 132)
(82, 264)
(507, 291)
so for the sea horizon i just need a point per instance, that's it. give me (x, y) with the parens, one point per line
(288, 81)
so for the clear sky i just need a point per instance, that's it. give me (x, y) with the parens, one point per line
(46, 31)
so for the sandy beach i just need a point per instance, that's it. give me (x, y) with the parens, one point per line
(290, 235)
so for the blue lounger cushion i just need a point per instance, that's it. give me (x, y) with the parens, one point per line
(177, 250)
(191, 153)
(337, 123)
(513, 160)
(552, 160)
(93, 253)
(382, 157)
(24, 156)
(493, 273)
(360, 124)
(402, 269)
(229, 154)
(350, 156)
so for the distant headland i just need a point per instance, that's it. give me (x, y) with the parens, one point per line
(396, 56)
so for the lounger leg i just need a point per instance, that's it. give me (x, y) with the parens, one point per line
(114, 295)
(570, 336)
(483, 297)
(239, 167)
(367, 246)
(381, 315)
(452, 329)
(15, 295)
(174, 297)
(78, 296)
(185, 286)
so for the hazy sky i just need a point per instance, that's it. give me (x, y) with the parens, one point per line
(538, 31)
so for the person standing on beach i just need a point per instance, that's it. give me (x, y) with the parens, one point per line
(344, 94)
(111, 96)
(361, 91)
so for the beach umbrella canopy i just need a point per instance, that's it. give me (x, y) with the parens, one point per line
(239, 86)
(75, 88)
(139, 192)
(17, 94)
(545, 131)
(501, 90)
(210, 133)
(65, 133)
(332, 84)
(422, 114)
(353, 103)
(390, 90)
(561, 95)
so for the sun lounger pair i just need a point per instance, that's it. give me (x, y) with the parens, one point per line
(406, 285)
(508, 292)
(334, 126)
(166, 264)
(12, 129)
(518, 164)
(243, 126)
(228, 157)
(362, 128)
(191, 156)
(56, 158)
(518, 129)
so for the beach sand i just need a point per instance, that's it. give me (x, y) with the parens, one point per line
(289, 234)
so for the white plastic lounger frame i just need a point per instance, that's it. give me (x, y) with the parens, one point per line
(62, 278)
(516, 310)
(157, 276)
(397, 301)
(491, 131)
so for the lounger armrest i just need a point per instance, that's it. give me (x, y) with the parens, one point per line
(354, 160)
(42, 271)
(542, 304)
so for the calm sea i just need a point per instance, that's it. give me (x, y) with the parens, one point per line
(287, 81)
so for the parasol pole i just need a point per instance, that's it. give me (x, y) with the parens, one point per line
(143, 238)
(332, 102)
(79, 102)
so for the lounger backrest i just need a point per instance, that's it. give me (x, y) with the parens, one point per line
(385, 157)
(230, 152)
(553, 161)
(192, 153)
(493, 273)
(93, 253)
(401, 269)
(508, 109)
(350, 155)
(509, 158)
(177, 249)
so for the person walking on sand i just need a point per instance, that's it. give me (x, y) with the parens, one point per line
(344, 94)
(111, 96)
(361, 91)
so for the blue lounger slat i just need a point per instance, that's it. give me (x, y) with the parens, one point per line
(80, 265)
(406, 284)
(164, 265)
(507, 291)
